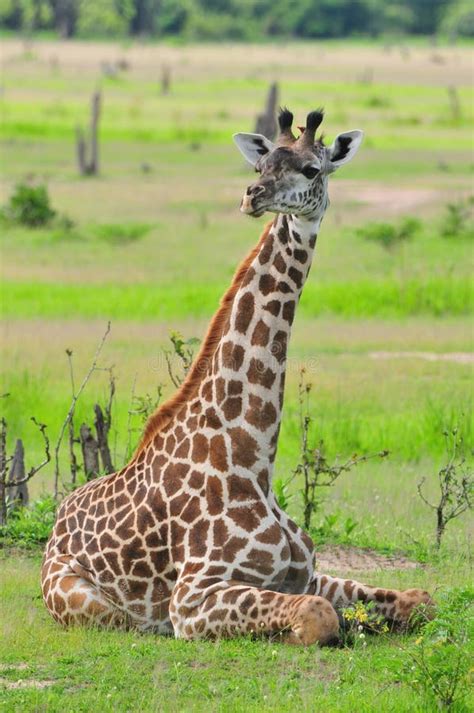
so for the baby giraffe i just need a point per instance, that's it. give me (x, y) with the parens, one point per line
(188, 538)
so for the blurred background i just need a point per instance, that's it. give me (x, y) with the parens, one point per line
(120, 188)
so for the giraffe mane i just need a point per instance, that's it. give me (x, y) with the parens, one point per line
(164, 413)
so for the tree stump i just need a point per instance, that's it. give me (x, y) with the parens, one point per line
(90, 452)
(266, 123)
(88, 155)
(165, 80)
(18, 493)
(102, 427)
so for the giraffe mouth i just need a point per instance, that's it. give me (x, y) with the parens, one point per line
(257, 213)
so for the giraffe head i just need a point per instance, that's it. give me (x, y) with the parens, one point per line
(294, 171)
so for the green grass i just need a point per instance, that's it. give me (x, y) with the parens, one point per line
(384, 298)
(153, 247)
(129, 671)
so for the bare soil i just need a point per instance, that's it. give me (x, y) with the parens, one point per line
(342, 559)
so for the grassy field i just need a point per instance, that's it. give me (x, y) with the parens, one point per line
(385, 335)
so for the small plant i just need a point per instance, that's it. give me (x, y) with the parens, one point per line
(376, 101)
(334, 527)
(359, 618)
(117, 234)
(388, 235)
(29, 205)
(318, 473)
(458, 219)
(142, 406)
(32, 525)
(438, 662)
(456, 486)
(184, 350)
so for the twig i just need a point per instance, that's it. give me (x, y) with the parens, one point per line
(70, 413)
(72, 440)
(32, 471)
(129, 420)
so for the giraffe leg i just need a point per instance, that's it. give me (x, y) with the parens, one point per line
(396, 606)
(72, 598)
(226, 609)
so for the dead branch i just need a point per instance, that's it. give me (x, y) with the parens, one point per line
(71, 439)
(70, 412)
(35, 469)
(3, 471)
(129, 420)
(456, 488)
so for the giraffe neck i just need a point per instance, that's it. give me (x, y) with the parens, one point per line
(249, 365)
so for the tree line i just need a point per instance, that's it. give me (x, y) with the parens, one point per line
(241, 20)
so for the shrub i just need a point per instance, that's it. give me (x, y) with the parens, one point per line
(29, 205)
(388, 235)
(438, 662)
(458, 219)
(118, 234)
(32, 525)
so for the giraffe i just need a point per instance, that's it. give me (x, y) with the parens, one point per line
(188, 539)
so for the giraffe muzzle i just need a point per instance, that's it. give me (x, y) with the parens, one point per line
(249, 204)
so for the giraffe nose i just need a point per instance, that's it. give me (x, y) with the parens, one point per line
(251, 194)
(255, 190)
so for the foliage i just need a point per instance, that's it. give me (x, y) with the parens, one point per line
(183, 350)
(459, 19)
(333, 528)
(458, 221)
(29, 205)
(105, 18)
(360, 618)
(388, 235)
(313, 466)
(121, 233)
(31, 525)
(237, 19)
(438, 663)
(456, 486)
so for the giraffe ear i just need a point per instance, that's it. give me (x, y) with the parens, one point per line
(253, 146)
(344, 148)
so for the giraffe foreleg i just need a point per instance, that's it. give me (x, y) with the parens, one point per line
(228, 609)
(395, 606)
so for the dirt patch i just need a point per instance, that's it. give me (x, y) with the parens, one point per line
(457, 357)
(338, 558)
(25, 683)
(13, 666)
(386, 198)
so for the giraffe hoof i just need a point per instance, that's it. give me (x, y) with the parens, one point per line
(316, 621)
(414, 605)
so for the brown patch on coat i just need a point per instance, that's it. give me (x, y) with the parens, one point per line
(261, 334)
(243, 447)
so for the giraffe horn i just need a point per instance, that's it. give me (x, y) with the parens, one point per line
(285, 120)
(313, 120)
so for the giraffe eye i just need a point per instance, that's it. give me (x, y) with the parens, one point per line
(310, 171)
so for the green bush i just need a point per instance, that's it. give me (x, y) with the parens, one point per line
(29, 205)
(30, 526)
(438, 662)
(388, 235)
(458, 219)
(118, 234)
